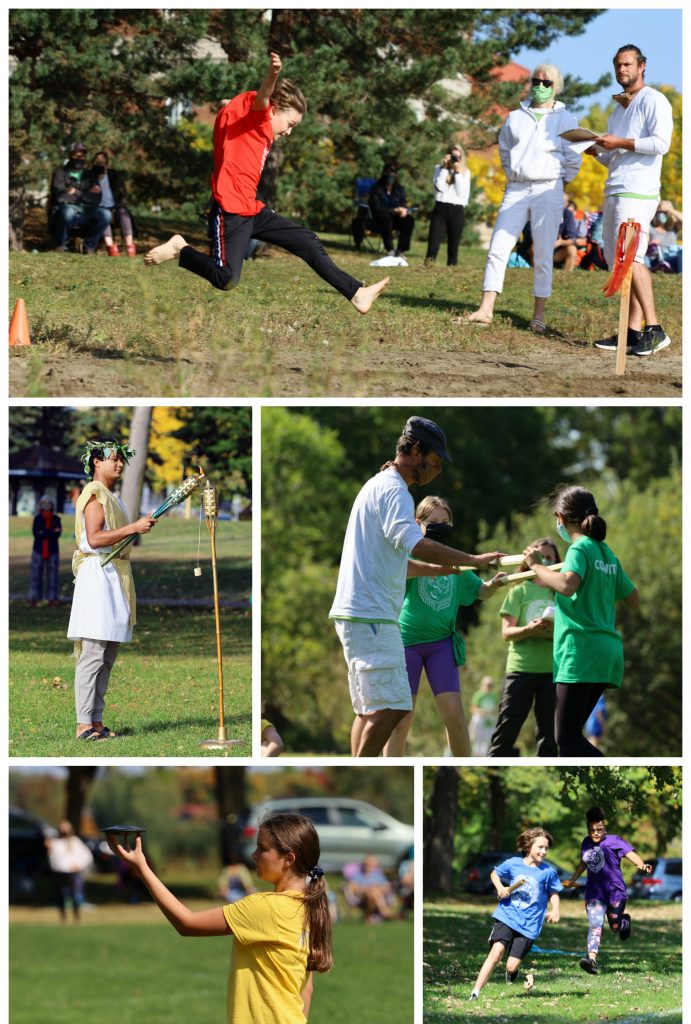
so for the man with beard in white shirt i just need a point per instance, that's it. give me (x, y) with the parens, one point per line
(639, 133)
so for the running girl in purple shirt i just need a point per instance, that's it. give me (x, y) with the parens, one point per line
(605, 889)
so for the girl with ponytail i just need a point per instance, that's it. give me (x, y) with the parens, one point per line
(588, 649)
(280, 936)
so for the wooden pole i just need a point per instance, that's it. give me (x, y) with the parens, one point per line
(624, 303)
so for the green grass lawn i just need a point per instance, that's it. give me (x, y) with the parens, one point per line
(163, 564)
(639, 981)
(127, 964)
(114, 327)
(164, 692)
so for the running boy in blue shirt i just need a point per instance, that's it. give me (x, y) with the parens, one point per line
(525, 885)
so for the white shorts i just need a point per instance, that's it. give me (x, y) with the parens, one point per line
(618, 209)
(377, 673)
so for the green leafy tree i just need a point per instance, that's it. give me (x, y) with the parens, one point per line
(110, 77)
(221, 437)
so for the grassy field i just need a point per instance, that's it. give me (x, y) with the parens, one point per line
(113, 327)
(164, 693)
(138, 969)
(639, 982)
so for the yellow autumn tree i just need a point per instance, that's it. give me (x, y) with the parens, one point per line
(489, 181)
(167, 467)
(670, 183)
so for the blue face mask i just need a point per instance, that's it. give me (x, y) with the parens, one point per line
(563, 533)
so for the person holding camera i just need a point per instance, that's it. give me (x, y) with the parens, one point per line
(537, 162)
(451, 193)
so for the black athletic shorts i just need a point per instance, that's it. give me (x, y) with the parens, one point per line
(516, 945)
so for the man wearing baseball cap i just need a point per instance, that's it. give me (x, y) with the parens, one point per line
(380, 539)
(74, 196)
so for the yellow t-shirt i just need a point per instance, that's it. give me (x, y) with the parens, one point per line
(268, 966)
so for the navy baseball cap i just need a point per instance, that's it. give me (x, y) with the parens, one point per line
(429, 433)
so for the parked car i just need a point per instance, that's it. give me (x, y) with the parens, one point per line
(664, 882)
(27, 855)
(348, 830)
(475, 876)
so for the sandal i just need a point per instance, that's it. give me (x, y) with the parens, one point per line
(537, 326)
(91, 734)
(106, 733)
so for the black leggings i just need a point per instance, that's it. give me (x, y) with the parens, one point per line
(447, 218)
(575, 701)
(230, 233)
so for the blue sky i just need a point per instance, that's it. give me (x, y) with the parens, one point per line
(658, 33)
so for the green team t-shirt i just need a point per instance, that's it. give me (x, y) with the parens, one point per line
(587, 646)
(525, 602)
(430, 608)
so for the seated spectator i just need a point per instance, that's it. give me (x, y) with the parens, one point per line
(406, 882)
(664, 251)
(235, 881)
(113, 199)
(75, 195)
(565, 248)
(389, 211)
(594, 257)
(369, 888)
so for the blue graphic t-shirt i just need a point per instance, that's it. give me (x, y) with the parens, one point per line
(604, 880)
(525, 909)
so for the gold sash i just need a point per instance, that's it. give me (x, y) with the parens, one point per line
(116, 519)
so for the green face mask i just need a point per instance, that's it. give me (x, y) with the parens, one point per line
(541, 93)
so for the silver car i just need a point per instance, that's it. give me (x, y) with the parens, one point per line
(348, 830)
(664, 883)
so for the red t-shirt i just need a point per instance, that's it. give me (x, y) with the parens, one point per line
(242, 140)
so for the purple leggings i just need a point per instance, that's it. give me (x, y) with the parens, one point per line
(438, 662)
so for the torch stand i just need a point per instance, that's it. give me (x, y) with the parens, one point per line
(210, 503)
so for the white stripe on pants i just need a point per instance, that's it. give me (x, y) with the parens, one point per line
(541, 202)
(91, 678)
(618, 209)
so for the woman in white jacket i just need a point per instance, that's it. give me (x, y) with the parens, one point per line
(537, 163)
(451, 194)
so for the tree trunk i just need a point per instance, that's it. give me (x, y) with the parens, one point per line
(231, 796)
(17, 214)
(440, 829)
(279, 42)
(79, 779)
(497, 808)
(133, 476)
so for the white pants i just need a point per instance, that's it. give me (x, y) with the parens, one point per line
(615, 211)
(541, 202)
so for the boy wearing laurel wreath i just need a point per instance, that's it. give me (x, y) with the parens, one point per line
(103, 605)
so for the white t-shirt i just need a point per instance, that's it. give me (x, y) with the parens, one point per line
(648, 121)
(381, 534)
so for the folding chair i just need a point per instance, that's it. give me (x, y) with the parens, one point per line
(362, 224)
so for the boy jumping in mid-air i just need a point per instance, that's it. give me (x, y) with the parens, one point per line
(244, 131)
(524, 886)
(605, 889)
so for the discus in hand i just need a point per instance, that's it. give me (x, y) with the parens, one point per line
(124, 831)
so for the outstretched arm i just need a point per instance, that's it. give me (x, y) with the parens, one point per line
(640, 864)
(577, 874)
(265, 90)
(183, 920)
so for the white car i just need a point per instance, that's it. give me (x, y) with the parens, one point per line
(348, 830)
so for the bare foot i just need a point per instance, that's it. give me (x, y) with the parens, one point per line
(364, 297)
(170, 250)
(480, 317)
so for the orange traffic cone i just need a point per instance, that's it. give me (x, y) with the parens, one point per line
(19, 327)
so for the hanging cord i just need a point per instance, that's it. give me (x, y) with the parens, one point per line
(198, 568)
